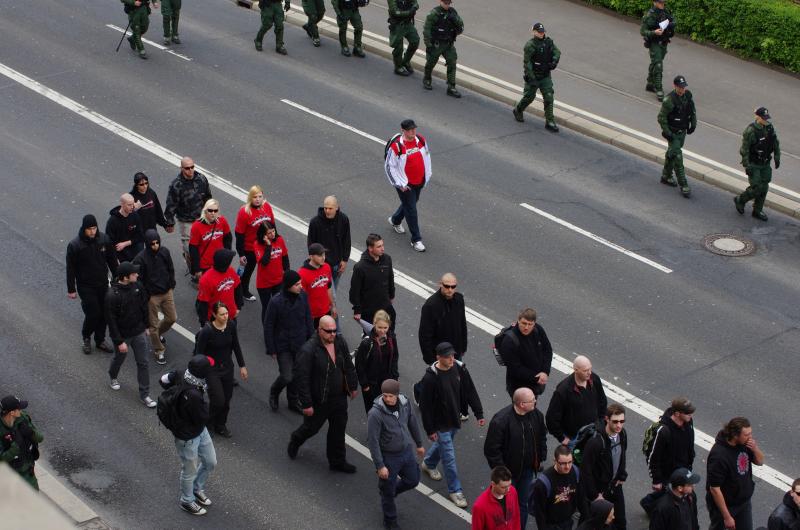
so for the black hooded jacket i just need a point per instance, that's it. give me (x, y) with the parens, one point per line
(156, 270)
(333, 234)
(598, 513)
(439, 408)
(89, 260)
(597, 469)
(730, 468)
(572, 406)
(287, 323)
(786, 516)
(675, 513)
(119, 229)
(193, 410)
(150, 213)
(126, 311)
(375, 362)
(673, 447)
(372, 284)
(442, 320)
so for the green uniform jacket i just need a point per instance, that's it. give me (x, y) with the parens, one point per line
(434, 15)
(12, 450)
(750, 136)
(650, 25)
(132, 5)
(667, 106)
(397, 16)
(531, 47)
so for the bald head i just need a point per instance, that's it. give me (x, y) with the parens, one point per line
(326, 324)
(582, 367)
(126, 204)
(524, 400)
(447, 285)
(330, 205)
(187, 167)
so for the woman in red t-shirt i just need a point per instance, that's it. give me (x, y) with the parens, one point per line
(254, 212)
(209, 233)
(273, 260)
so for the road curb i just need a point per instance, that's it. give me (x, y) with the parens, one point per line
(69, 503)
(568, 116)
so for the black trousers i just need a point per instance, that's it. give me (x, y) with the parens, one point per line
(618, 498)
(285, 378)
(369, 396)
(93, 305)
(220, 391)
(335, 413)
(248, 271)
(265, 294)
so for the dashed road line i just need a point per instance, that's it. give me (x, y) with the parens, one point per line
(151, 43)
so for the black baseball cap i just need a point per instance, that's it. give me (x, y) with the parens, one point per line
(538, 27)
(445, 349)
(763, 113)
(407, 125)
(316, 249)
(680, 81)
(126, 268)
(10, 403)
(682, 477)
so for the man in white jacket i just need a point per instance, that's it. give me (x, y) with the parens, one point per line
(408, 168)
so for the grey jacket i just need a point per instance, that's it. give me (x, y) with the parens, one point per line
(391, 432)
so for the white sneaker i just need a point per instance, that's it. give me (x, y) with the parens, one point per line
(464, 417)
(433, 473)
(149, 402)
(250, 297)
(160, 359)
(418, 246)
(200, 497)
(114, 384)
(397, 228)
(459, 499)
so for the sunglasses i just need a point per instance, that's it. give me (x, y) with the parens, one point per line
(142, 183)
(331, 331)
(187, 167)
(212, 211)
(154, 243)
(617, 422)
(449, 286)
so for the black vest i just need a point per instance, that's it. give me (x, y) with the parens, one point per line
(348, 4)
(542, 57)
(680, 116)
(660, 16)
(444, 29)
(761, 149)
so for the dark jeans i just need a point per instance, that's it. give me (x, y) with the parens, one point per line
(92, 304)
(285, 378)
(370, 395)
(220, 392)
(335, 413)
(408, 210)
(140, 344)
(523, 486)
(617, 496)
(248, 271)
(743, 515)
(265, 295)
(403, 476)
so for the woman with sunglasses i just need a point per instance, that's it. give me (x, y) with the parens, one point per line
(146, 203)
(272, 257)
(209, 233)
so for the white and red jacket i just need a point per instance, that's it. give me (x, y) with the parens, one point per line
(399, 153)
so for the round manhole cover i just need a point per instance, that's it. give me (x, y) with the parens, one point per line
(729, 245)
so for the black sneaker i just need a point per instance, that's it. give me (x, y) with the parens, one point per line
(292, 450)
(87, 346)
(193, 508)
(344, 467)
(201, 498)
(104, 346)
(273, 401)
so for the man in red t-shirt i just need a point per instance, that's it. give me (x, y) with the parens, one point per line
(317, 280)
(408, 168)
(220, 283)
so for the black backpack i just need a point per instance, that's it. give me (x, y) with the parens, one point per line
(393, 139)
(498, 341)
(585, 433)
(167, 406)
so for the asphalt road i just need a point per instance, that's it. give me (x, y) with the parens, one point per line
(723, 331)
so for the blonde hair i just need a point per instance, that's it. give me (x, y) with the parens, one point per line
(255, 190)
(209, 203)
(381, 316)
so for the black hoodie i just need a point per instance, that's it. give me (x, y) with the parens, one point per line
(156, 270)
(89, 260)
(673, 447)
(372, 284)
(126, 311)
(730, 468)
(150, 213)
(598, 513)
(333, 234)
(119, 229)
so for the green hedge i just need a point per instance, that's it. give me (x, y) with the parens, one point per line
(768, 30)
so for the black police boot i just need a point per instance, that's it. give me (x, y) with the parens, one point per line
(453, 92)
(649, 88)
(518, 114)
(669, 181)
(358, 52)
(308, 31)
(686, 191)
(402, 71)
(426, 84)
(258, 46)
(551, 126)
(281, 50)
(346, 51)
(739, 205)
(761, 216)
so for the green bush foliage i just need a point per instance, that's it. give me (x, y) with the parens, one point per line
(768, 30)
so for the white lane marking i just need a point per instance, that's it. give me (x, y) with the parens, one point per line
(333, 121)
(562, 364)
(597, 238)
(151, 43)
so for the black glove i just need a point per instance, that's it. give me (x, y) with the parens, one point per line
(286, 6)
(748, 171)
(25, 430)
(690, 130)
(667, 135)
(553, 65)
(526, 78)
(777, 163)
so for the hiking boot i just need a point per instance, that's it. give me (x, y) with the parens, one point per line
(686, 191)
(160, 359)
(142, 54)
(459, 499)
(87, 346)
(453, 92)
(346, 51)
(104, 347)
(201, 498)
(193, 508)
(402, 71)
(308, 31)
(426, 84)
(397, 228)
(761, 216)
(315, 41)
(551, 126)
(114, 384)
(418, 246)
(408, 67)
(358, 52)
(167, 41)
(431, 472)
(176, 40)
(518, 114)
(649, 88)
(259, 47)
(668, 181)
(281, 50)
(739, 205)
(149, 402)
(343, 467)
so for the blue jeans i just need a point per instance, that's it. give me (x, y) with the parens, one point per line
(198, 459)
(403, 476)
(523, 486)
(408, 210)
(442, 449)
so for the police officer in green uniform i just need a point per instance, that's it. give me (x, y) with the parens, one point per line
(759, 145)
(170, 14)
(677, 118)
(19, 439)
(401, 26)
(271, 13)
(442, 27)
(658, 27)
(314, 10)
(138, 12)
(541, 56)
(347, 11)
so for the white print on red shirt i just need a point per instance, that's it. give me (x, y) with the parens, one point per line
(212, 235)
(260, 218)
(225, 285)
(320, 281)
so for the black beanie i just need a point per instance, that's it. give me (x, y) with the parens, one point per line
(290, 278)
(89, 221)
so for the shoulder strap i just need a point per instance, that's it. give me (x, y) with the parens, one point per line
(547, 485)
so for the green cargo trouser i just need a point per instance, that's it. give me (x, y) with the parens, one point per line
(140, 21)
(271, 13)
(170, 14)
(432, 54)
(398, 32)
(314, 10)
(656, 69)
(545, 85)
(673, 159)
(759, 186)
(354, 17)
